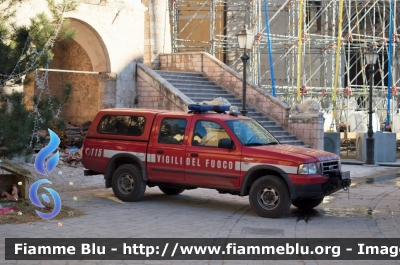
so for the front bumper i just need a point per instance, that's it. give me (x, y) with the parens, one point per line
(334, 182)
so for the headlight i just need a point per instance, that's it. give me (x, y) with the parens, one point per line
(312, 168)
(303, 169)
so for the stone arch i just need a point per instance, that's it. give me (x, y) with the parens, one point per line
(92, 92)
(90, 40)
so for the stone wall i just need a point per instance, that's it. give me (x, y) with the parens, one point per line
(309, 129)
(157, 31)
(154, 92)
(151, 98)
(119, 30)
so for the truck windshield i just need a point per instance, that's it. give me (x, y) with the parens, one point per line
(251, 133)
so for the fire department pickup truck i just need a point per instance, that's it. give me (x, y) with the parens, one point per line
(135, 148)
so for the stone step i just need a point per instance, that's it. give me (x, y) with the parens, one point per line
(209, 98)
(232, 101)
(178, 78)
(204, 92)
(173, 73)
(205, 88)
(252, 113)
(281, 138)
(279, 133)
(199, 88)
(275, 128)
(292, 142)
(259, 119)
(184, 81)
(266, 123)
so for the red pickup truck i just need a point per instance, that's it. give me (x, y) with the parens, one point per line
(135, 148)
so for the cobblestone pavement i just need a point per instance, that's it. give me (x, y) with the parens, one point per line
(370, 210)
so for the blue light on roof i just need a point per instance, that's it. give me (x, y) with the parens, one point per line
(203, 108)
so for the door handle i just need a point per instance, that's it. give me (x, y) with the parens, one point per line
(160, 152)
(194, 154)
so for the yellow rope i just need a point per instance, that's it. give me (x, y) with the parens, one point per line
(361, 52)
(337, 60)
(309, 49)
(299, 49)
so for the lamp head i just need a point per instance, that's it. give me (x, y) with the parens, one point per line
(245, 38)
(371, 56)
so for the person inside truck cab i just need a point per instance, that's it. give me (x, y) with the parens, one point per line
(199, 133)
(170, 134)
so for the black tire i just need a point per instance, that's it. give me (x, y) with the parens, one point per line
(269, 197)
(307, 203)
(171, 191)
(127, 183)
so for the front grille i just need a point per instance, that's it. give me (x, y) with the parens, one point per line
(329, 166)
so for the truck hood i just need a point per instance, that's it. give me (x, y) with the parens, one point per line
(290, 152)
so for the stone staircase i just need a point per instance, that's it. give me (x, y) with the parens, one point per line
(199, 88)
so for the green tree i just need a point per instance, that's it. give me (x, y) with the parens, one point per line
(24, 49)
(16, 137)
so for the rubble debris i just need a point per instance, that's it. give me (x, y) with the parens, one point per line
(74, 158)
(73, 135)
(7, 210)
(71, 141)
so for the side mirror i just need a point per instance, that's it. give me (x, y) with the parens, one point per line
(225, 143)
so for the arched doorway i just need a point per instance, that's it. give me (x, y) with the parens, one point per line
(82, 62)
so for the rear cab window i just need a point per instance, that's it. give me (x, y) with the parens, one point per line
(122, 125)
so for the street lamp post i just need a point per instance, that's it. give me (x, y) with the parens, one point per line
(371, 56)
(245, 40)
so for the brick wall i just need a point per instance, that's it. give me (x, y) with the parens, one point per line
(308, 129)
(85, 98)
(151, 98)
(155, 92)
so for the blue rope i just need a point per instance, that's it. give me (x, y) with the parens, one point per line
(389, 64)
(271, 64)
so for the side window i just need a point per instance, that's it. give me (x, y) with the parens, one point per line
(121, 124)
(172, 131)
(208, 133)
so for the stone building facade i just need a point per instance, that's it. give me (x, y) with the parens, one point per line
(112, 37)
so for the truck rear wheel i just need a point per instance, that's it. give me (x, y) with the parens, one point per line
(307, 203)
(269, 197)
(127, 183)
(171, 191)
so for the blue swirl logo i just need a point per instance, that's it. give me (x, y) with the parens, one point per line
(45, 167)
(35, 199)
(40, 161)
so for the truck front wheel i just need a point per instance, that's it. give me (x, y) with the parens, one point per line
(307, 203)
(127, 183)
(269, 197)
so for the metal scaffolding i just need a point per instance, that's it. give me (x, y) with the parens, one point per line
(317, 47)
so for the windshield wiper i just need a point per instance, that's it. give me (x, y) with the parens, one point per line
(272, 143)
(254, 144)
